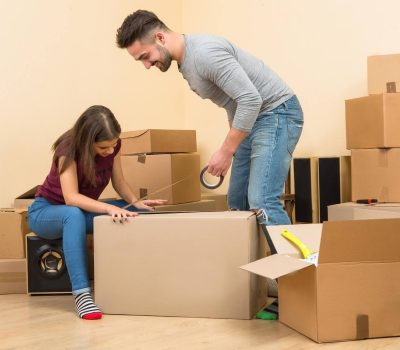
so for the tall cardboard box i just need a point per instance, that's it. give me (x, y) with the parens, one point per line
(352, 293)
(158, 141)
(13, 228)
(174, 177)
(373, 121)
(376, 174)
(12, 276)
(382, 69)
(179, 265)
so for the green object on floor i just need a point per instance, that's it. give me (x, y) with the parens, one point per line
(265, 315)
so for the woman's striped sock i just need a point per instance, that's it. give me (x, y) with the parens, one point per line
(86, 307)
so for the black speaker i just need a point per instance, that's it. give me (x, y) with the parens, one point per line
(318, 183)
(46, 268)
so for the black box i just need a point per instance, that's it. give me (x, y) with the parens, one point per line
(46, 268)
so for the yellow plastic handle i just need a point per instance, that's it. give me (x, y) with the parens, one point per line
(297, 242)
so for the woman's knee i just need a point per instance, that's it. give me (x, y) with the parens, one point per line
(74, 214)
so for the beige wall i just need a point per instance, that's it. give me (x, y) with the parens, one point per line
(59, 57)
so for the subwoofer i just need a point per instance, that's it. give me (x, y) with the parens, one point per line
(46, 268)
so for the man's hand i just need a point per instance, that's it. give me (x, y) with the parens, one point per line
(220, 162)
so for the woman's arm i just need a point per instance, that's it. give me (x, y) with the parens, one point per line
(72, 197)
(124, 190)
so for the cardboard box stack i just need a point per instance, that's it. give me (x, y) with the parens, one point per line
(13, 228)
(372, 135)
(162, 164)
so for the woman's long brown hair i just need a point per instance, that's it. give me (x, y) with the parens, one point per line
(96, 124)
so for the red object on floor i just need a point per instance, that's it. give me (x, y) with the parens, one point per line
(93, 316)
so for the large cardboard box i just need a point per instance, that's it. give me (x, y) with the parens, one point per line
(174, 177)
(354, 291)
(373, 121)
(375, 174)
(158, 141)
(355, 211)
(199, 206)
(184, 264)
(24, 200)
(13, 228)
(382, 69)
(12, 276)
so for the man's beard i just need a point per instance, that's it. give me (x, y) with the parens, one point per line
(165, 58)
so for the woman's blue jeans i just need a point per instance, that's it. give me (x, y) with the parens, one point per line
(70, 223)
(262, 161)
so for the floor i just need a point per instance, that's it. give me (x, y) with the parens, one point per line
(49, 322)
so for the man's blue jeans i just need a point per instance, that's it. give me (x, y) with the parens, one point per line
(70, 223)
(262, 161)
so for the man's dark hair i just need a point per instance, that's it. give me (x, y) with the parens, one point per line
(137, 26)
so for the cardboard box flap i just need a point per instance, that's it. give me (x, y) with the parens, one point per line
(133, 134)
(29, 194)
(13, 210)
(360, 241)
(275, 266)
(309, 234)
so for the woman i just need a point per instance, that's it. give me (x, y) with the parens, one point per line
(85, 158)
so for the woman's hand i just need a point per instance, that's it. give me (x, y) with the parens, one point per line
(119, 214)
(148, 204)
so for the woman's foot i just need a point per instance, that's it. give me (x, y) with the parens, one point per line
(86, 307)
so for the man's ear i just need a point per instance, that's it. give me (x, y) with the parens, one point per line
(159, 37)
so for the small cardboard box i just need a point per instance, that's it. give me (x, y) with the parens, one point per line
(221, 200)
(26, 199)
(13, 228)
(158, 141)
(174, 177)
(184, 264)
(382, 69)
(375, 174)
(12, 276)
(199, 206)
(373, 121)
(354, 291)
(355, 211)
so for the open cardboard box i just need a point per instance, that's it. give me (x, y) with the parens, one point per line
(353, 293)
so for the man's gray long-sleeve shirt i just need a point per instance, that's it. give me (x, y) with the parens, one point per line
(233, 79)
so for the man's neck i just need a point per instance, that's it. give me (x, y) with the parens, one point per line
(177, 48)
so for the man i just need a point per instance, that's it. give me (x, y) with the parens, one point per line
(264, 115)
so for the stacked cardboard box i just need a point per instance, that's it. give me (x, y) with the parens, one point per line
(162, 164)
(13, 228)
(372, 133)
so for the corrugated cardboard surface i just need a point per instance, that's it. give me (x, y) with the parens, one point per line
(12, 276)
(381, 70)
(221, 200)
(179, 265)
(354, 286)
(375, 173)
(202, 205)
(154, 174)
(24, 200)
(372, 121)
(158, 141)
(13, 228)
(354, 211)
